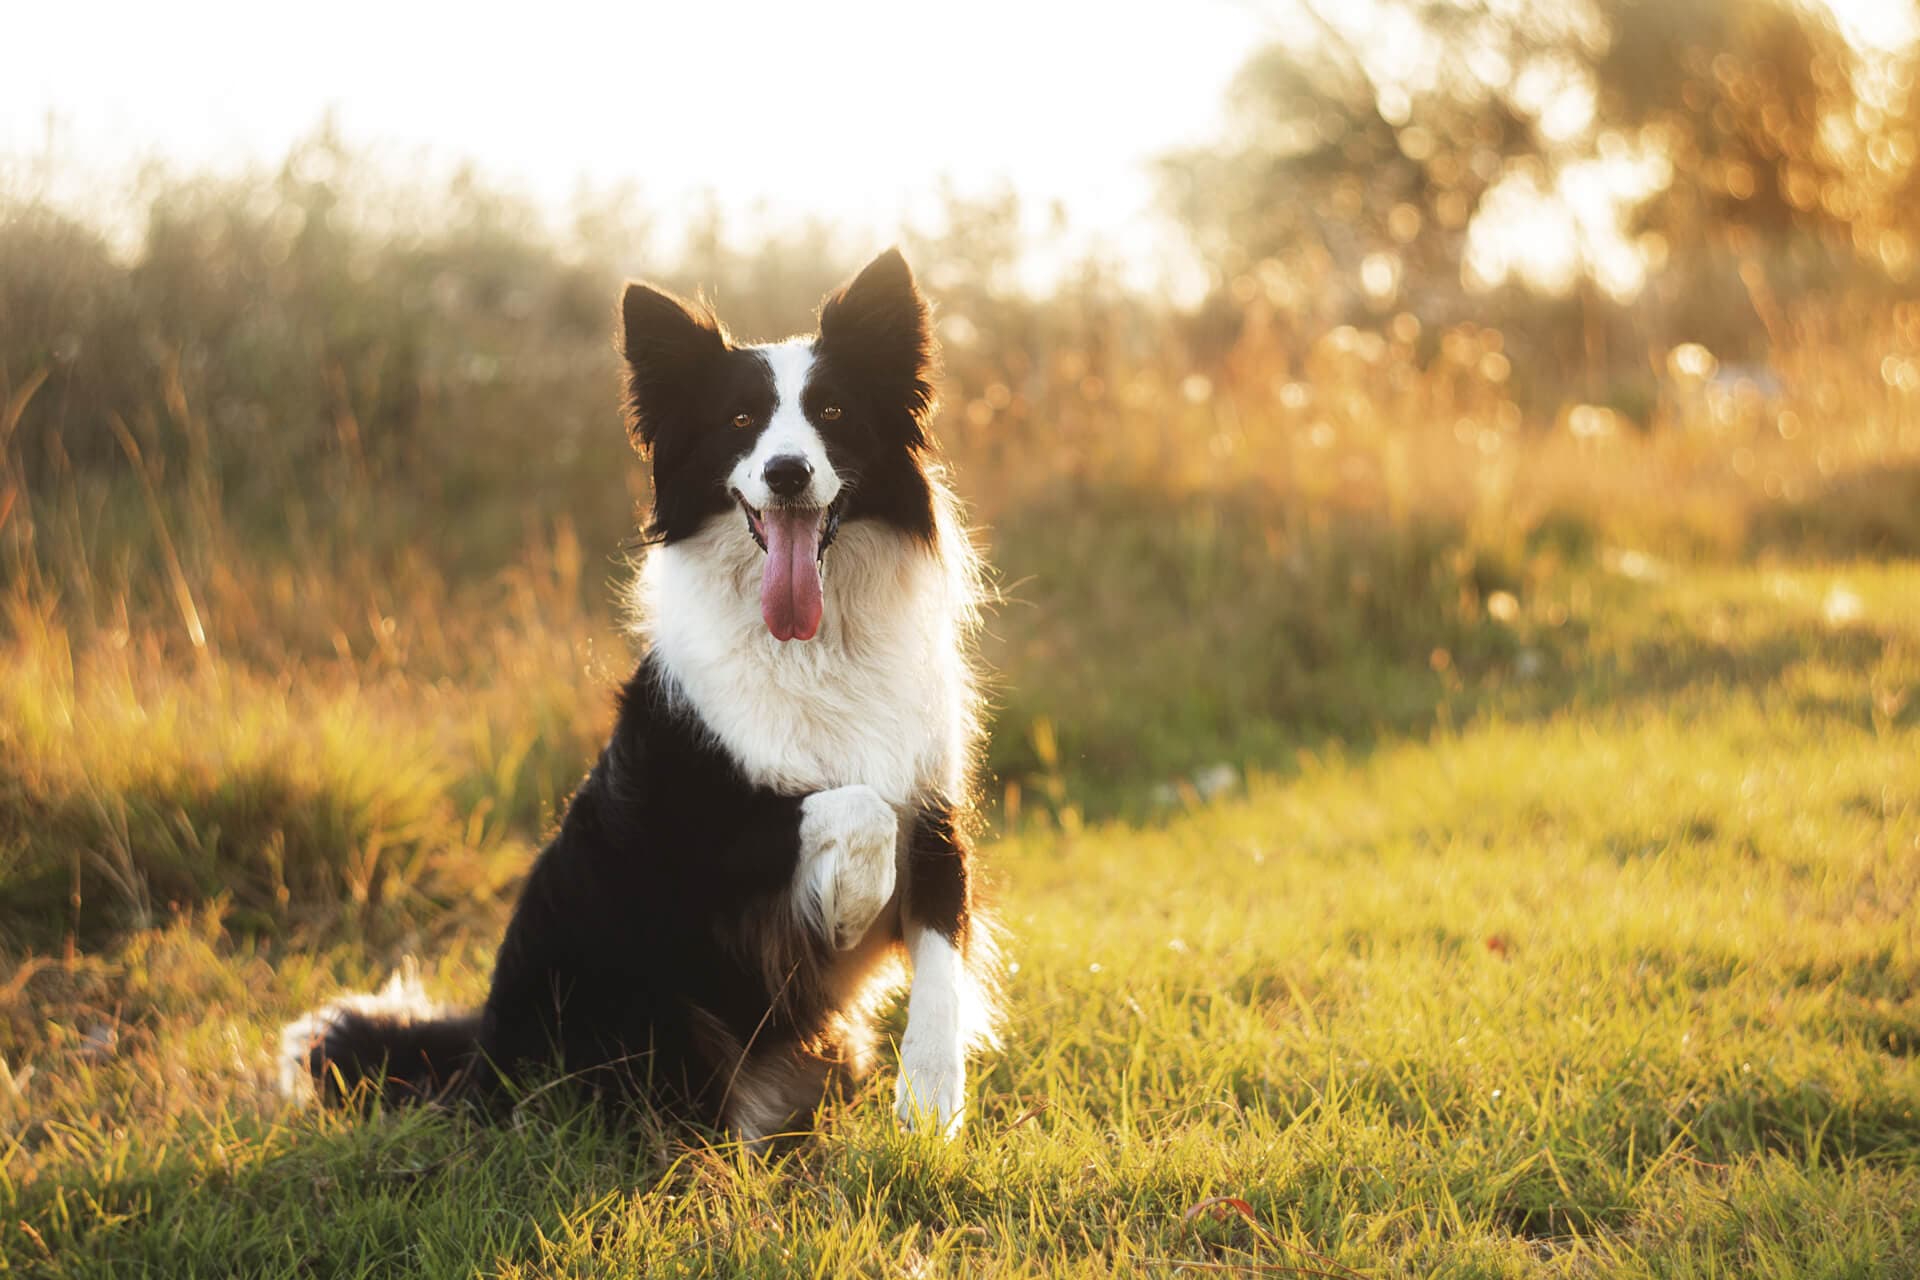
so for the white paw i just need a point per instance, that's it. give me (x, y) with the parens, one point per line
(848, 839)
(932, 1093)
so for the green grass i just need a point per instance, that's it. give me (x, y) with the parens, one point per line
(1611, 970)
(1557, 919)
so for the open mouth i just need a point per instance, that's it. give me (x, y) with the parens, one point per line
(796, 541)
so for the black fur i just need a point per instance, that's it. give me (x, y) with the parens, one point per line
(939, 886)
(636, 959)
(407, 1061)
(685, 383)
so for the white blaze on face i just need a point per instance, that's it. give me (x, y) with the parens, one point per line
(791, 525)
(787, 434)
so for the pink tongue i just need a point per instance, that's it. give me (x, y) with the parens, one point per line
(790, 592)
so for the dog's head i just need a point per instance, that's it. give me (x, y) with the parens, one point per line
(790, 440)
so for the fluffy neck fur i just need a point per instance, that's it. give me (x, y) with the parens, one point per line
(884, 695)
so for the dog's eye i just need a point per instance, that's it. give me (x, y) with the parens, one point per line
(742, 419)
(830, 414)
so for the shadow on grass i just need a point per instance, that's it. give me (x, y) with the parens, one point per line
(403, 1194)
(1871, 512)
(1177, 633)
(279, 850)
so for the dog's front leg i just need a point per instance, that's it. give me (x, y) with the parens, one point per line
(848, 851)
(933, 1052)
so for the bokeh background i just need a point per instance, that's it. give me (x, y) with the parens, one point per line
(1452, 469)
(1298, 358)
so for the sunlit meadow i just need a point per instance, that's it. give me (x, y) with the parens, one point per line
(1453, 796)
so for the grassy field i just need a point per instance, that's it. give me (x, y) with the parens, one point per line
(1453, 811)
(1611, 971)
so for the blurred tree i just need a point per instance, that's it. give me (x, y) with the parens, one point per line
(1773, 120)
(1387, 154)
(70, 341)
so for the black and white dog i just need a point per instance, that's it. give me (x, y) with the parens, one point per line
(780, 813)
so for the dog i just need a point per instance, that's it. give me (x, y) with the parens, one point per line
(781, 814)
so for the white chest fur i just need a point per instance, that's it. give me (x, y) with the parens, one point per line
(880, 696)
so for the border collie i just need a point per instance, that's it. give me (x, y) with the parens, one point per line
(781, 811)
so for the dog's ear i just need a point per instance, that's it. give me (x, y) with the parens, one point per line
(668, 343)
(878, 326)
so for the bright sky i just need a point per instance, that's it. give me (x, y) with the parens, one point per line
(848, 109)
(854, 111)
(1877, 24)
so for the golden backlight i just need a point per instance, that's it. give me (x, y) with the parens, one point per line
(853, 112)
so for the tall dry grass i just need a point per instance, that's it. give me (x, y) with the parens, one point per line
(314, 512)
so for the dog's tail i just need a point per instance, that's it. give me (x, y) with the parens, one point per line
(394, 1044)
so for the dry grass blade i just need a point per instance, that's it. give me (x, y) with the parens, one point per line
(176, 576)
(16, 407)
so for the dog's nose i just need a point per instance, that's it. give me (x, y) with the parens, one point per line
(787, 474)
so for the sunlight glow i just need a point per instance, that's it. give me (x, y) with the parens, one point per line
(1882, 26)
(1548, 233)
(854, 112)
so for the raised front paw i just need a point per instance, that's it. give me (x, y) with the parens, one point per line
(932, 1093)
(848, 839)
